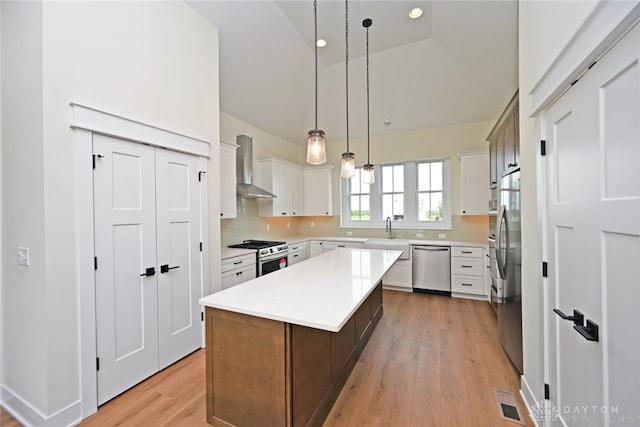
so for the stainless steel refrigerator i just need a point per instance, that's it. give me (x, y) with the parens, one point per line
(508, 257)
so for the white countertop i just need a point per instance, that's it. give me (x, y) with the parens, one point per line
(440, 242)
(323, 292)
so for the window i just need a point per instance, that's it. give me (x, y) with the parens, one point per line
(413, 194)
(393, 192)
(430, 191)
(359, 198)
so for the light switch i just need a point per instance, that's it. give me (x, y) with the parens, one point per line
(23, 256)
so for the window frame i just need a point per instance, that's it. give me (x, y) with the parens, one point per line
(410, 199)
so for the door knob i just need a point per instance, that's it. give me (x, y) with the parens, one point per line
(151, 271)
(589, 332)
(165, 268)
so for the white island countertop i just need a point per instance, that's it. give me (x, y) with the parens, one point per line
(323, 292)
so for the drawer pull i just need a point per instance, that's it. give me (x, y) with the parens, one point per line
(466, 252)
(239, 273)
(341, 246)
(466, 266)
(238, 262)
(295, 256)
(466, 284)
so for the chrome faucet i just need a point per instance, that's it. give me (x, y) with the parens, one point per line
(387, 227)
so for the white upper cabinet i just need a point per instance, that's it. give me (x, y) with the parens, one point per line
(284, 179)
(228, 179)
(318, 190)
(474, 168)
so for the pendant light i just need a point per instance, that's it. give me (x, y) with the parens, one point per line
(316, 147)
(368, 176)
(348, 168)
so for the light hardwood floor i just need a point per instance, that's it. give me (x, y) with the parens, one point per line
(432, 361)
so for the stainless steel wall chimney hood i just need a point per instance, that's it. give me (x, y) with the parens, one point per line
(244, 169)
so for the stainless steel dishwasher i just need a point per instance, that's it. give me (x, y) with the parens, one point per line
(432, 269)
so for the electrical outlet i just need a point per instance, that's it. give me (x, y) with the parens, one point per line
(442, 236)
(419, 235)
(268, 227)
(349, 233)
(288, 226)
(313, 224)
(23, 256)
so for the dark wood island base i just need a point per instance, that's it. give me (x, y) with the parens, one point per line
(262, 372)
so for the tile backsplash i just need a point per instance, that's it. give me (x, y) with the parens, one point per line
(249, 225)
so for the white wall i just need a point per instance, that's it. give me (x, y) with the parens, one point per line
(154, 62)
(1, 281)
(545, 27)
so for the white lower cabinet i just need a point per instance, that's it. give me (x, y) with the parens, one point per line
(315, 248)
(237, 269)
(328, 245)
(468, 272)
(298, 252)
(399, 276)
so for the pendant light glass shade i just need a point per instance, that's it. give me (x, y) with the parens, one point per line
(348, 167)
(368, 175)
(316, 147)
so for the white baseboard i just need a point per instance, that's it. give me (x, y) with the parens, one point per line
(29, 416)
(529, 399)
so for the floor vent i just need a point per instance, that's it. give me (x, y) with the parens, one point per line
(508, 406)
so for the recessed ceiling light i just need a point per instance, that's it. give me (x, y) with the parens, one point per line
(415, 13)
(321, 43)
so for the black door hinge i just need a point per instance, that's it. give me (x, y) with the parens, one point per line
(97, 363)
(200, 175)
(543, 147)
(544, 269)
(94, 159)
(202, 316)
(546, 391)
(95, 262)
(200, 246)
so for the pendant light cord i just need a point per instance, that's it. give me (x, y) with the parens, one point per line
(346, 62)
(315, 42)
(368, 162)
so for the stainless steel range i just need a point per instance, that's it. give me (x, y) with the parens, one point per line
(271, 256)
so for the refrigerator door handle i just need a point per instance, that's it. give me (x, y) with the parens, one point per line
(501, 262)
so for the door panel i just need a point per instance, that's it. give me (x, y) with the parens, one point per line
(178, 219)
(125, 245)
(593, 240)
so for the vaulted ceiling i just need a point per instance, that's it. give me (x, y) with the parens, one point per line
(455, 64)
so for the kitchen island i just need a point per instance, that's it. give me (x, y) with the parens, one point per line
(281, 347)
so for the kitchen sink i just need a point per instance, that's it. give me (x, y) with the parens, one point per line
(389, 244)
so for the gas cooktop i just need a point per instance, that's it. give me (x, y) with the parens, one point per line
(256, 244)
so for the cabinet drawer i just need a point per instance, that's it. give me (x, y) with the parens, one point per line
(467, 284)
(466, 252)
(470, 266)
(237, 276)
(238, 262)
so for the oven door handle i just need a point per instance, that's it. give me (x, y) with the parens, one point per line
(273, 257)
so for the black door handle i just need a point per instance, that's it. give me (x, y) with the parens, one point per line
(589, 332)
(165, 268)
(151, 271)
(577, 318)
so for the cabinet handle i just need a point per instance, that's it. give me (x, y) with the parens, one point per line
(221, 214)
(511, 165)
(295, 256)
(284, 213)
(165, 268)
(293, 248)
(466, 252)
(466, 284)
(326, 213)
(466, 266)
(494, 182)
(239, 273)
(341, 246)
(151, 271)
(238, 262)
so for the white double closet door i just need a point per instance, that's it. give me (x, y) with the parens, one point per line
(148, 275)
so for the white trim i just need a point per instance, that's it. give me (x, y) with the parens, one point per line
(110, 124)
(528, 398)
(87, 121)
(28, 415)
(609, 21)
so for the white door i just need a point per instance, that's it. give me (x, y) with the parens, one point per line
(178, 225)
(125, 247)
(148, 275)
(593, 242)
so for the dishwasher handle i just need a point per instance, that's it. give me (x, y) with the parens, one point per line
(431, 249)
